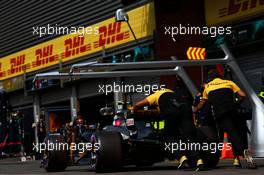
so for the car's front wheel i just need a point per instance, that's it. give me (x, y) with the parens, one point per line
(55, 159)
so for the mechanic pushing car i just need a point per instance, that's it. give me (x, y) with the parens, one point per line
(219, 93)
(261, 93)
(204, 117)
(178, 121)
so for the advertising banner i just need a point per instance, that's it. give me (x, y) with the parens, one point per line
(106, 34)
(219, 12)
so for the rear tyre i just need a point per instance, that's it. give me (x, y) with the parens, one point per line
(107, 151)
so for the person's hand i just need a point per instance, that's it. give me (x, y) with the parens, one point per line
(33, 125)
(134, 108)
(131, 108)
(71, 123)
(194, 109)
(195, 121)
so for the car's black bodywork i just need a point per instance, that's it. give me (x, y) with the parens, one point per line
(133, 142)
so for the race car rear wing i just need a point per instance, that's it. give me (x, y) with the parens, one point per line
(157, 68)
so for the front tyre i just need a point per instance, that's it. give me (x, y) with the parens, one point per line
(56, 159)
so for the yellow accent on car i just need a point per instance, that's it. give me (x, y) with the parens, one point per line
(261, 94)
(159, 125)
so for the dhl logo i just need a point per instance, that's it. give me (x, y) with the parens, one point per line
(236, 6)
(110, 34)
(17, 64)
(74, 46)
(2, 73)
(44, 56)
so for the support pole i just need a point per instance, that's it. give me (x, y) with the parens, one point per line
(186, 79)
(257, 124)
(36, 111)
(74, 103)
(118, 96)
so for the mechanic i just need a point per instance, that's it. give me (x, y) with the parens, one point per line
(178, 121)
(204, 117)
(40, 125)
(220, 95)
(261, 93)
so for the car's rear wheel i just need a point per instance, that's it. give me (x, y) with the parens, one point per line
(107, 151)
(55, 159)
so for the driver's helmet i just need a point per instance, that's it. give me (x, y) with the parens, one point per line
(79, 121)
(119, 118)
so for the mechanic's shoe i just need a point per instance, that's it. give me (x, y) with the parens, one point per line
(200, 165)
(236, 163)
(250, 161)
(183, 161)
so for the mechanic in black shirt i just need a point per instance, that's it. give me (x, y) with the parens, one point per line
(220, 95)
(178, 119)
(204, 117)
(261, 93)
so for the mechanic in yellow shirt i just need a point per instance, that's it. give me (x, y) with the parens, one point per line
(220, 95)
(178, 121)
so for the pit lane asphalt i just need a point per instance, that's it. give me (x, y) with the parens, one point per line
(15, 166)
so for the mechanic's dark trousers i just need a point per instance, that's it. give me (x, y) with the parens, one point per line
(206, 117)
(227, 122)
(179, 123)
(188, 129)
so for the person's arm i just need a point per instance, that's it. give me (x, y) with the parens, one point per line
(237, 90)
(199, 106)
(141, 103)
(202, 102)
(240, 96)
(241, 93)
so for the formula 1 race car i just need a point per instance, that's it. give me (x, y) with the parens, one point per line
(132, 140)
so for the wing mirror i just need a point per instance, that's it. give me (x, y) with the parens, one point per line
(106, 111)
